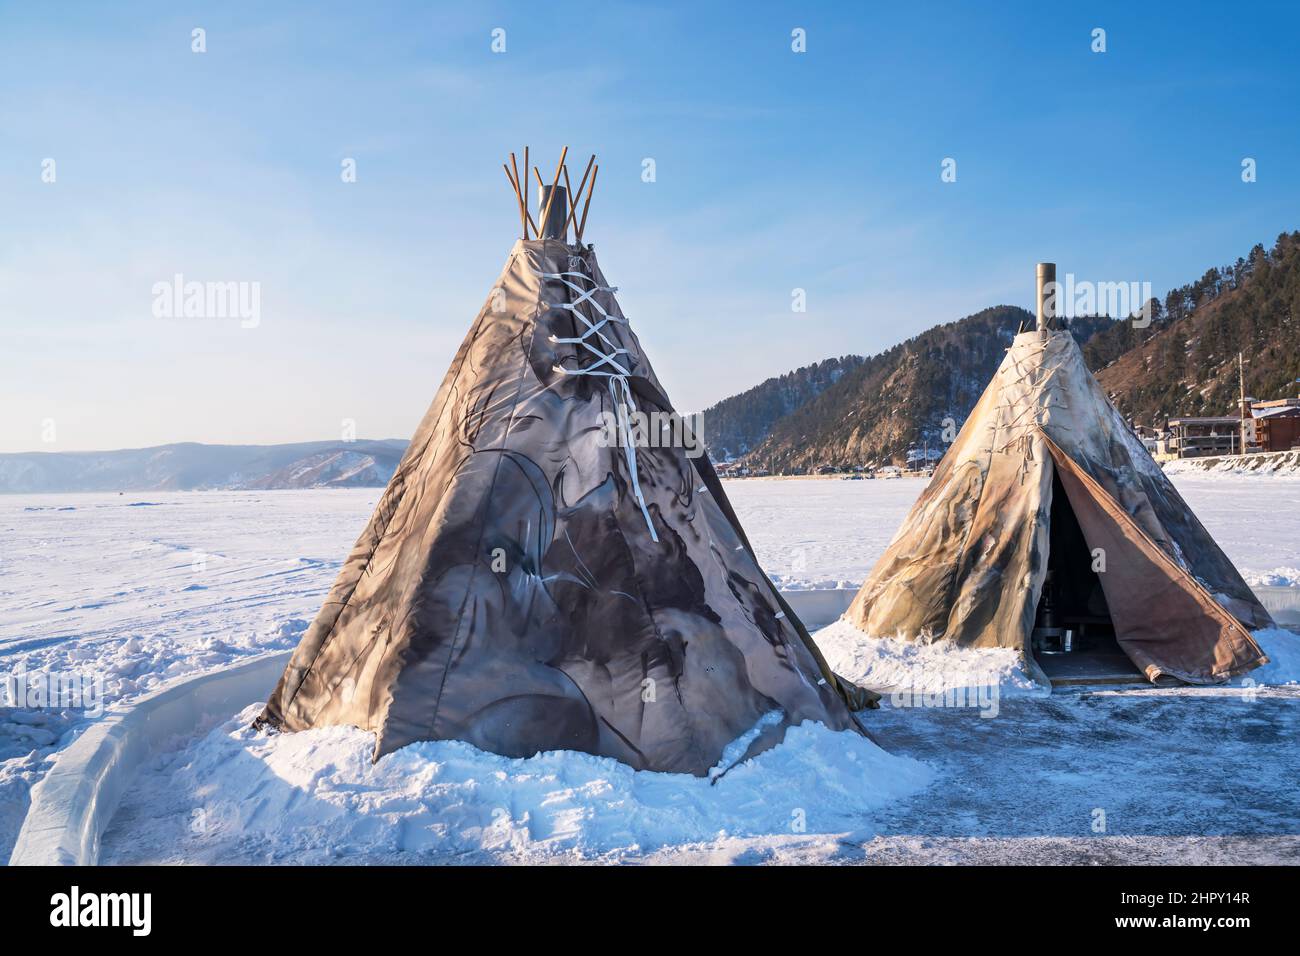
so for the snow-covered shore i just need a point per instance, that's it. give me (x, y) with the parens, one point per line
(1283, 464)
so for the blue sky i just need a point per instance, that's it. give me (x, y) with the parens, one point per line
(775, 171)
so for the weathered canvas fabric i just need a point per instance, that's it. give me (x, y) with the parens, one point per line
(968, 563)
(508, 590)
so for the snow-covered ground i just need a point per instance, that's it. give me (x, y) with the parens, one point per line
(1139, 775)
(133, 590)
(129, 591)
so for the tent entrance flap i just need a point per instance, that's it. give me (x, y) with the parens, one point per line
(1073, 639)
(1165, 621)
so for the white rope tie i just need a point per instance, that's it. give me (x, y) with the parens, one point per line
(619, 390)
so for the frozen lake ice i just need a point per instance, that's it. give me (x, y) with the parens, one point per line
(142, 588)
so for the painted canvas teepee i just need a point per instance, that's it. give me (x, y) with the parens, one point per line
(538, 575)
(1046, 472)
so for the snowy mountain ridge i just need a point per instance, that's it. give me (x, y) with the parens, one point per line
(191, 466)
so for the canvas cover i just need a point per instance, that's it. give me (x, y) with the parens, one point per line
(508, 591)
(968, 563)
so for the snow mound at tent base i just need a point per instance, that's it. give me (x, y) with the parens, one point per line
(240, 796)
(891, 664)
(1283, 650)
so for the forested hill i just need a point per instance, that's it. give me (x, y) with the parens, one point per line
(853, 411)
(901, 396)
(738, 424)
(1185, 362)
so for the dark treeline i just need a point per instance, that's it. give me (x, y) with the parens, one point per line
(905, 395)
(1185, 362)
(738, 424)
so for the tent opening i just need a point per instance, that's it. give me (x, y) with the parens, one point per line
(1074, 635)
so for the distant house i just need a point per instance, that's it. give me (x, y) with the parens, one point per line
(1197, 437)
(1275, 424)
(1268, 426)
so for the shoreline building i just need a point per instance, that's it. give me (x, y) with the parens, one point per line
(1275, 425)
(1202, 436)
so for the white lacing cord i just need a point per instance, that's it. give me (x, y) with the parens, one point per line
(619, 390)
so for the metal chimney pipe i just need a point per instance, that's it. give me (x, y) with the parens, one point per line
(557, 223)
(1047, 311)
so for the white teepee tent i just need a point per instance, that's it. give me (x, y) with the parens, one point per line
(1047, 489)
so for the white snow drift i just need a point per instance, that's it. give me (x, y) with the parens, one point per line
(315, 797)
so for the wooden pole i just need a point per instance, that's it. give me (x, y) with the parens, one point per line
(568, 200)
(560, 166)
(587, 205)
(529, 211)
(524, 200)
(573, 200)
(523, 222)
(527, 216)
(1241, 385)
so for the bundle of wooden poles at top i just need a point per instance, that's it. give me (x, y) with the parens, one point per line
(561, 171)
